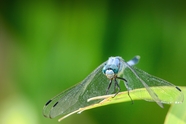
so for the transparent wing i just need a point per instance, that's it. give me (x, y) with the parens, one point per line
(157, 90)
(76, 97)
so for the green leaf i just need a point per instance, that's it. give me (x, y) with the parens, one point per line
(123, 97)
(177, 113)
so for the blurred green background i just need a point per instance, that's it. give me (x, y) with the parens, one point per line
(46, 47)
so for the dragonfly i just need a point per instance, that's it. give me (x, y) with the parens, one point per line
(105, 79)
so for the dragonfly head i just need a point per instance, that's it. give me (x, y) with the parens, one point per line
(110, 71)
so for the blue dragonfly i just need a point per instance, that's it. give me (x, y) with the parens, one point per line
(105, 79)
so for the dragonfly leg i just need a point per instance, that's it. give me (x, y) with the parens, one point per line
(126, 85)
(116, 85)
(109, 86)
(130, 97)
(128, 90)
